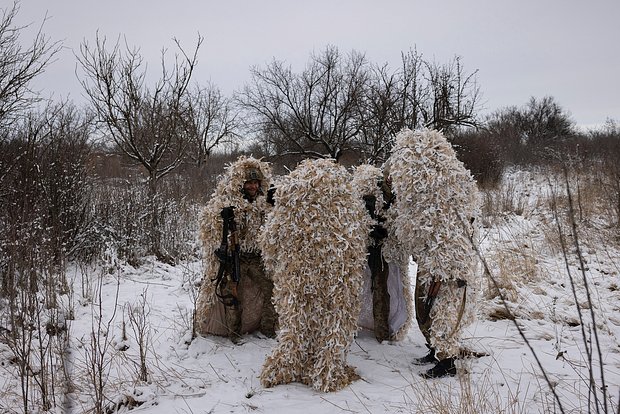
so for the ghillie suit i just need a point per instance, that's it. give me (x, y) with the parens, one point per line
(314, 245)
(253, 308)
(437, 210)
(386, 305)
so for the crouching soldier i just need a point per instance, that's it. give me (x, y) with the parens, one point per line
(235, 296)
(437, 209)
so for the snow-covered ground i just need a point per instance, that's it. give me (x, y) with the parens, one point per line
(211, 375)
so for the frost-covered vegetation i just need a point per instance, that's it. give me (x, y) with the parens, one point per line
(108, 334)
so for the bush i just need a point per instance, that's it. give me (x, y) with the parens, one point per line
(482, 156)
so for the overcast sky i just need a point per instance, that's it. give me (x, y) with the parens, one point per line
(568, 49)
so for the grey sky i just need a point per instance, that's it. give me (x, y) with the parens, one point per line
(569, 49)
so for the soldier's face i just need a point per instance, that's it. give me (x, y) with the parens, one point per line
(250, 188)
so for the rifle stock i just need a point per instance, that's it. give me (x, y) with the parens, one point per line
(433, 290)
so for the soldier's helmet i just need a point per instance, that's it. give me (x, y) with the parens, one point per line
(253, 174)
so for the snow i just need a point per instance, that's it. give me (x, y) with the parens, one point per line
(211, 375)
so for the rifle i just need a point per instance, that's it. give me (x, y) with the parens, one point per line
(228, 254)
(433, 290)
(379, 273)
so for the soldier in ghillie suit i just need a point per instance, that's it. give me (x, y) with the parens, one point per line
(387, 305)
(314, 242)
(235, 296)
(437, 209)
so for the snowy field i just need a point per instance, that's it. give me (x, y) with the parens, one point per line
(133, 327)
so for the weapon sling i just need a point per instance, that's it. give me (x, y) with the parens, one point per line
(433, 290)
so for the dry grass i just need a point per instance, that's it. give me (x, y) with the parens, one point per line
(513, 255)
(503, 200)
(516, 265)
(576, 217)
(482, 396)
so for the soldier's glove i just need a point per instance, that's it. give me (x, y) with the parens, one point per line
(270, 196)
(228, 213)
(222, 254)
(378, 232)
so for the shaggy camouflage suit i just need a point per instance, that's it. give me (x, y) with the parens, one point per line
(254, 308)
(314, 243)
(383, 255)
(437, 210)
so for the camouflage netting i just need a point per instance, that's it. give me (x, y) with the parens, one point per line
(314, 244)
(249, 218)
(436, 212)
(366, 179)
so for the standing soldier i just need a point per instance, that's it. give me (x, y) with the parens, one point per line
(387, 274)
(235, 296)
(437, 210)
(314, 242)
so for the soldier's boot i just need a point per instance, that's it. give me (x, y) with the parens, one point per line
(443, 368)
(429, 358)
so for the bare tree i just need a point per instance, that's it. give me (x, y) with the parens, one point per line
(527, 132)
(377, 115)
(455, 96)
(212, 120)
(412, 93)
(417, 94)
(147, 124)
(394, 101)
(313, 113)
(341, 104)
(19, 65)
(544, 121)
